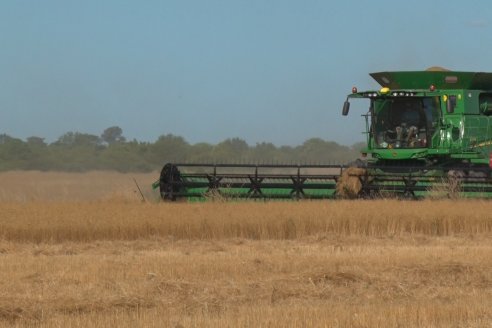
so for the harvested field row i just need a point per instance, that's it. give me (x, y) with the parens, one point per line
(244, 283)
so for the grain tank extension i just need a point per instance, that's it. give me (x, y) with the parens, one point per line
(425, 130)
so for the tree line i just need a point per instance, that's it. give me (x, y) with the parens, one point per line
(79, 152)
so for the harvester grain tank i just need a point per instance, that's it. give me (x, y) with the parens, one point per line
(423, 128)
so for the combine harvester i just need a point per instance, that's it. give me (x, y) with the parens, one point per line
(427, 132)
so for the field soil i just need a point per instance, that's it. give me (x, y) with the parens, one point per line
(97, 256)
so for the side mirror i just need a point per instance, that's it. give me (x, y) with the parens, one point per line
(346, 108)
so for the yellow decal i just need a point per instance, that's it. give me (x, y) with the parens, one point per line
(482, 144)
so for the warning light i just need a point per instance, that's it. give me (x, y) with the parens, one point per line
(384, 90)
(432, 87)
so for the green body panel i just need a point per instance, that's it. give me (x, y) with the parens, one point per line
(267, 193)
(454, 117)
(399, 153)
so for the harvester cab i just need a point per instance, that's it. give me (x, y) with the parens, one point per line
(428, 117)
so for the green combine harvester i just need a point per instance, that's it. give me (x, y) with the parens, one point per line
(428, 132)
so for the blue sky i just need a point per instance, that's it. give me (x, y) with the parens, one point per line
(266, 70)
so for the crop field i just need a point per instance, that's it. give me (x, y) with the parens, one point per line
(83, 250)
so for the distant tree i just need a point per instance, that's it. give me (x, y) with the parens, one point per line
(75, 151)
(264, 152)
(169, 148)
(36, 141)
(67, 139)
(41, 157)
(112, 135)
(14, 153)
(316, 150)
(125, 157)
(231, 150)
(74, 139)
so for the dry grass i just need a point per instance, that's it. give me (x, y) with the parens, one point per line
(99, 262)
(114, 220)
